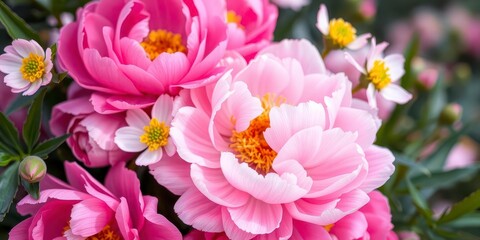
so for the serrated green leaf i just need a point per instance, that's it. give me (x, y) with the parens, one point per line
(16, 26)
(465, 206)
(48, 146)
(8, 188)
(31, 127)
(9, 135)
(19, 102)
(33, 189)
(5, 159)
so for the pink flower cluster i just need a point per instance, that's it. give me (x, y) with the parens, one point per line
(260, 140)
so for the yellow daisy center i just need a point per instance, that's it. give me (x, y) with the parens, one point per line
(341, 32)
(378, 75)
(250, 145)
(160, 41)
(232, 17)
(155, 135)
(106, 234)
(32, 67)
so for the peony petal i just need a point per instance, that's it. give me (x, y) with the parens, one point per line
(123, 219)
(211, 183)
(305, 231)
(257, 217)
(396, 93)
(89, 217)
(172, 173)
(365, 124)
(193, 208)
(149, 157)
(353, 226)
(128, 139)
(20, 231)
(156, 226)
(169, 68)
(231, 229)
(322, 20)
(380, 167)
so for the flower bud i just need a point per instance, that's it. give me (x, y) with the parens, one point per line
(450, 114)
(32, 169)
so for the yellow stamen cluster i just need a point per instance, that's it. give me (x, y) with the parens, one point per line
(161, 41)
(106, 234)
(232, 17)
(250, 145)
(341, 32)
(378, 75)
(33, 67)
(328, 227)
(156, 135)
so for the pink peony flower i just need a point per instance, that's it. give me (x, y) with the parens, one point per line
(273, 144)
(87, 209)
(27, 66)
(338, 32)
(250, 24)
(130, 51)
(92, 134)
(293, 4)
(148, 134)
(381, 73)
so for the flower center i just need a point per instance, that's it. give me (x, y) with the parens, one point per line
(328, 227)
(161, 41)
(250, 145)
(106, 234)
(32, 67)
(342, 33)
(156, 135)
(378, 75)
(232, 17)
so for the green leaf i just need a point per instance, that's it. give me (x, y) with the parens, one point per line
(58, 77)
(31, 127)
(48, 146)
(16, 26)
(414, 166)
(467, 205)
(9, 135)
(411, 51)
(443, 179)
(5, 159)
(466, 221)
(19, 102)
(8, 188)
(32, 188)
(418, 200)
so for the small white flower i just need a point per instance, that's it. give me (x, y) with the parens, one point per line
(27, 66)
(340, 33)
(150, 135)
(381, 74)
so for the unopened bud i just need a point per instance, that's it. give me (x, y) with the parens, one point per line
(428, 78)
(32, 169)
(450, 114)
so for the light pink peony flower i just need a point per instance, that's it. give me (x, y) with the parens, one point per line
(148, 134)
(27, 66)
(87, 209)
(338, 32)
(293, 4)
(92, 133)
(131, 51)
(381, 73)
(273, 144)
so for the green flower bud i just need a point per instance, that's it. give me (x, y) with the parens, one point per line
(32, 169)
(450, 114)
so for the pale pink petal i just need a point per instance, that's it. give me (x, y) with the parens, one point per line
(33, 88)
(211, 183)
(271, 188)
(10, 63)
(29, 205)
(89, 217)
(15, 80)
(354, 62)
(162, 109)
(365, 124)
(172, 173)
(190, 133)
(287, 120)
(372, 100)
(380, 167)
(128, 139)
(156, 226)
(149, 157)
(359, 42)
(395, 63)
(123, 219)
(231, 229)
(396, 93)
(137, 118)
(353, 226)
(322, 20)
(195, 209)
(24, 47)
(169, 68)
(170, 148)
(257, 217)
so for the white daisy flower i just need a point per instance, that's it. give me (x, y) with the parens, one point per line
(150, 135)
(26, 65)
(338, 32)
(381, 73)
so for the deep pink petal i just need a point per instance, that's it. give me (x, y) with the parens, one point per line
(89, 217)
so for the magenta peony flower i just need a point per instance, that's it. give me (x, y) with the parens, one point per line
(273, 144)
(86, 209)
(131, 51)
(92, 134)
